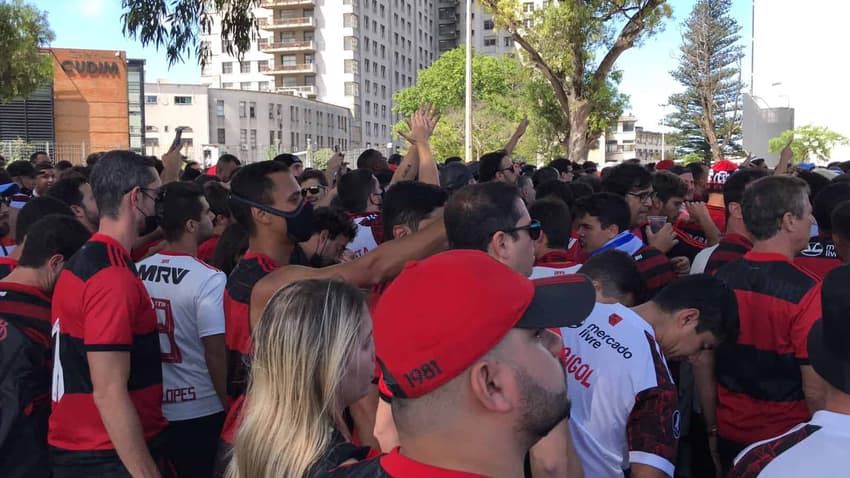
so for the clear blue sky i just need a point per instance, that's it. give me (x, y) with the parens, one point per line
(96, 24)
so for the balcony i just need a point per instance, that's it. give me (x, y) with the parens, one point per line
(297, 69)
(288, 46)
(272, 24)
(284, 3)
(302, 90)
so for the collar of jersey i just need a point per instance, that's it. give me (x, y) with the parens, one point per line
(24, 289)
(262, 258)
(109, 240)
(765, 257)
(400, 466)
(839, 422)
(174, 253)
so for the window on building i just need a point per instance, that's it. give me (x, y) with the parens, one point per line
(271, 110)
(349, 20)
(350, 44)
(292, 144)
(375, 111)
(366, 40)
(383, 32)
(151, 129)
(263, 65)
(271, 138)
(383, 130)
(308, 58)
(227, 85)
(383, 51)
(368, 86)
(351, 88)
(383, 71)
(226, 68)
(219, 108)
(508, 41)
(368, 128)
(384, 92)
(628, 126)
(221, 137)
(489, 42)
(264, 85)
(243, 137)
(253, 139)
(245, 85)
(350, 66)
(382, 11)
(368, 106)
(262, 43)
(182, 100)
(151, 142)
(245, 67)
(528, 7)
(309, 36)
(242, 107)
(288, 60)
(150, 99)
(488, 24)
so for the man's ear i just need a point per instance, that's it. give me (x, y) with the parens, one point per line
(735, 210)
(490, 384)
(56, 262)
(401, 230)
(687, 318)
(78, 211)
(498, 247)
(260, 217)
(612, 231)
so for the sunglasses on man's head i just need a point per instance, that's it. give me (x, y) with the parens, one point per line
(534, 229)
(311, 190)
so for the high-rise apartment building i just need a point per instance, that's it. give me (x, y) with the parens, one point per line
(486, 38)
(351, 53)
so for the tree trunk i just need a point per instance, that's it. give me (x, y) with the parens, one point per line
(578, 145)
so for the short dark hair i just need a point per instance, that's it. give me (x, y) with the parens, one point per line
(367, 157)
(115, 174)
(232, 243)
(679, 170)
(409, 202)
(63, 165)
(625, 178)
(715, 300)
(313, 174)
(768, 199)
(826, 201)
(190, 174)
(228, 158)
(252, 182)
(35, 209)
(453, 159)
(815, 181)
(667, 185)
(67, 190)
(335, 221)
(93, 158)
(617, 273)
(698, 170)
(177, 203)
(205, 179)
(557, 189)
(563, 165)
(580, 189)
(354, 188)
(555, 219)
(476, 212)
(594, 182)
(395, 159)
(287, 158)
(36, 154)
(217, 197)
(489, 165)
(608, 208)
(544, 175)
(53, 234)
(736, 184)
(840, 220)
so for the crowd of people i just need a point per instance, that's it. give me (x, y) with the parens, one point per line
(397, 317)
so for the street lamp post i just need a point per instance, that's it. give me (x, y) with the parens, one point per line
(663, 117)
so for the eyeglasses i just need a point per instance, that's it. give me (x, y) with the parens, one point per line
(534, 229)
(509, 168)
(156, 193)
(312, 190)
(644, 196)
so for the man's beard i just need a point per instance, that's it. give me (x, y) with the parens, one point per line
(542, 409)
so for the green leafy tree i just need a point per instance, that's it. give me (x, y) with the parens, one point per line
(709, 112)
(177, 24)
(23, 32)
(809, 142)
(574, 45)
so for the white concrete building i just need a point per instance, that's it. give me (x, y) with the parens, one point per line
(627, 140)
(252, 125)
(351, 53)
(486, 37)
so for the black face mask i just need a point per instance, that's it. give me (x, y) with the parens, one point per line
(299, 223)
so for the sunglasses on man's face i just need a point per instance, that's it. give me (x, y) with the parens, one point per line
(534, 229)
(311, 190)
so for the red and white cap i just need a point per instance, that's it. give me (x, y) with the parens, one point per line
(442, 314)
(719, 173)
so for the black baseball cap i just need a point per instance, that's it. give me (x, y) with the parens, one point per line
(21, 168)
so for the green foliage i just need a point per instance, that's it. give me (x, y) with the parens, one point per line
(692, 158)
(23, 31)
(709, 112)
(574, 45)
(320, 158)
(810, 143)
(176, 25)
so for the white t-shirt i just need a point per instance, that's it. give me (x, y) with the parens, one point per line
(701, 260)
(817, 448)
(188, 297)
(624, 405)
(365, 240)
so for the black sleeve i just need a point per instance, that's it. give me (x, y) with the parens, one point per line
(15, 366)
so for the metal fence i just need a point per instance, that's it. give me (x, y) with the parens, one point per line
(73, 152)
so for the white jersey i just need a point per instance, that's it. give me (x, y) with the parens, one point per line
(624, 406)
(701, 259)
(365, 240)
(552, 270)
(188, 297)
(816, 448)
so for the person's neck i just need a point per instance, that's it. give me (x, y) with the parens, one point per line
(715, 199)
(184, 245)
(372, 209)
(16, 252)
(655, 317)
(219, 229)
(120, 230)
(777, 244)
(497, 459)
(836, 401)
(271, 245)
(310, 246)
(543, 250)
(737, 226)
(29, 277)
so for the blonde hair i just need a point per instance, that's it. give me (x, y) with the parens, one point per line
(302, 345)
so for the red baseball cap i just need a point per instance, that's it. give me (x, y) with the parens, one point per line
(664, 165)
(442, 314)
(719, 173)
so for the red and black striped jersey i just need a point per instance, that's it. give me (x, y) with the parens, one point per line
(819, 257)
(7, 265)
(100, 305)
(395, 465)
(237, 311)
(730, 248)
(759, 383)
(690, 243)
(655, 268)
(207, 248)
(24, 380)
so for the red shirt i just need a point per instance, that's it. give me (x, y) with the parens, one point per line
(100, 304)
(207, 248)
(760, 389)
(237, 311)
(7, 265)
(718, 215)
(819, 257)
(396, 465)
